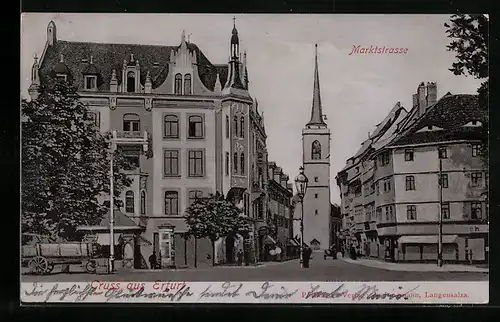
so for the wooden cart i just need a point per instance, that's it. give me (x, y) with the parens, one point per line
(42, 257)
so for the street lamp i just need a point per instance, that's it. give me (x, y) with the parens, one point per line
(113, 142)
(301, 186)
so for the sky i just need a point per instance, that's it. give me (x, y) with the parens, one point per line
(357, 90)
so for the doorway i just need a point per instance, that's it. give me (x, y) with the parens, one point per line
(230, 249)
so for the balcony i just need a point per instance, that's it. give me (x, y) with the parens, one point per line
(130, 137)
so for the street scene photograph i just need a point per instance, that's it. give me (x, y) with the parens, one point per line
(253, 148)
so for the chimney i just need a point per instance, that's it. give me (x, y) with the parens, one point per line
(422, 100)
(431, 93)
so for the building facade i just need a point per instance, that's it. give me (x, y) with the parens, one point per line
(415, 165)
(316, 162)
(205, 130)
(279, 213)
(336, 227)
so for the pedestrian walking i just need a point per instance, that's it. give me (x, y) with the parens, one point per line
(306, 256)
(152, 261)
(240, 258)
(353, 252)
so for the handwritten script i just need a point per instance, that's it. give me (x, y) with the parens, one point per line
(250, 292)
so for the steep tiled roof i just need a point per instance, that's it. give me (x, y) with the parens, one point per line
(121, 220)
(380, 129)
(107, 57)
(450, 113)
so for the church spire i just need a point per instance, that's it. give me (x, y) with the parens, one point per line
(316, 111)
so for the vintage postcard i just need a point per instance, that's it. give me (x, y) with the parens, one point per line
(254, 158)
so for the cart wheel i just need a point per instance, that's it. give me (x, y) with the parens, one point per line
(50, 268)
(90, 266)
(38, 265)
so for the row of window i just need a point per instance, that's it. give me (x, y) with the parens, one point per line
(239, 131)
(411, 211)
(443, 152)
(241, 163)
(196, 163)
(172, 201)
(90, 83)
(476, 180)
(282, 200)
(130, 202)
(195, 127)
(282, 221)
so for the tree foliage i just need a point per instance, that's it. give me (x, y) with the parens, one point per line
(469, 41)
(212, 218)
(65, 164)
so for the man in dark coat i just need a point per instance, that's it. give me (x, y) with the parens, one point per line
(306, 256)
(353, 252)
(152, 261)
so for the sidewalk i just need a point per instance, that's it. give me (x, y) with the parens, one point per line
(415, 267)
(208, 268)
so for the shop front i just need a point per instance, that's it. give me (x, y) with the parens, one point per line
(126, 242)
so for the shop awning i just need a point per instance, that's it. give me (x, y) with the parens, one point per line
(293, 242)
(431, 239)
(269, 240)
(103, 239)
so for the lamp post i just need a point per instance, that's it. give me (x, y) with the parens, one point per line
(301, 186)
(113, 142)
(440, 221)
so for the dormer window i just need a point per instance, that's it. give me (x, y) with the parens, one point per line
(62, 77)
(90, 82)
(131, 82)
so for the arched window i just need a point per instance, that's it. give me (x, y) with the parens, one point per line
(171, 127)
(242, 127)
(178, 84)
(227, 163)
(242, 164)
(194, 195)
(227, 127)
(131, 122)
(143, 202)
(131, 82)
(316, 150)
(235, 162)
(187, 84)
(235, 124)
(195, 126)
(129, 201)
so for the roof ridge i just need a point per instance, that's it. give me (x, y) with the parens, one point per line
(112, 43)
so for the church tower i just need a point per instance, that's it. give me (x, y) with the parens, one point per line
(316, 161)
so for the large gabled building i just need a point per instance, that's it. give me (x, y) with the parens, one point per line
(206, 131)
(396, 215)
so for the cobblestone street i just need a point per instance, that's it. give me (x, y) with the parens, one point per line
(320, 270)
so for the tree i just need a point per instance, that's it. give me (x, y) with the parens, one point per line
(65, 164)
(469, 34)
(212, 218)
